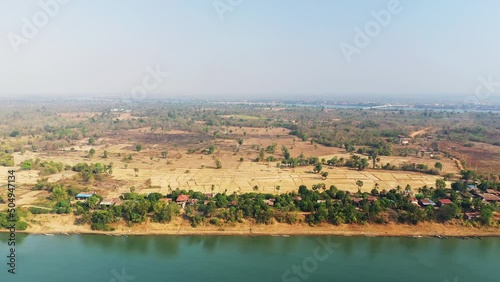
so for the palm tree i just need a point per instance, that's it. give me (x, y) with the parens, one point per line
(398, 188)
(408, 188)
(359, 183)
(374, 157)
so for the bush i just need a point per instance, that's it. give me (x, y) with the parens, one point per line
(101, 227)
(6, 159)
(35, 210)
(21, 225)
(15, 133)
(27, 165)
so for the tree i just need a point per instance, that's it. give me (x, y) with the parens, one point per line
(408, 188)
(440, 184)
(240, 141)
(105, 154)
(486, 214)
(91, 141)
(164, 154)
(438, 166)
(211, 149)
(261, 155)
(362, 164)
(136, 172)
(317, 168)
(218, 164)
(324, 174)
(287, 155)
(375, 158)
(138, 148)
(15, 133)
(359, 183)
(447, 212)
(468, 175)
(91, 153)
(164, 212)
(277, 188)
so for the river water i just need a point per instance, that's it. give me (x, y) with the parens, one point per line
(83, 258)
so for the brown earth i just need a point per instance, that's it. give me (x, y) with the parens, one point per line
(54, 224)
(485, 157)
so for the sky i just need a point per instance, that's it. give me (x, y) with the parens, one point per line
(250, 48)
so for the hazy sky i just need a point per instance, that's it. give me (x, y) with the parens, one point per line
(254, 48)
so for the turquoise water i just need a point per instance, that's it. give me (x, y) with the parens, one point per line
(85, 258)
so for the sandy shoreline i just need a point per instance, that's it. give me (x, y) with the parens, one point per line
(183, 228)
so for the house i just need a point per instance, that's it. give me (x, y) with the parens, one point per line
(372, 199)
(269, 202)
(414, 201)
(475, 191)
(297, 198)
(108, 202)
(192, 201)
(405, 142)
(466, 195)
(472, 215)
(84, 196)
(426, 202)
(471, 186)
(234, 203)
(210, 195)
(492, 191)
(489, 197)
(357, 200)
(442, 202)
(166, 200)
(182, 199)
(320, 201)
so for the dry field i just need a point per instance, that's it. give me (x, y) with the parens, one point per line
(197, 170)
(485, 157)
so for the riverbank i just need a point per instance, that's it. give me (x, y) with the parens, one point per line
(64, 224)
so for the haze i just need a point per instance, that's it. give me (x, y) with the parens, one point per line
(257, 48)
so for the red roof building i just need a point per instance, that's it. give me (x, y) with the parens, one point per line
(444, 202)
(182, 198)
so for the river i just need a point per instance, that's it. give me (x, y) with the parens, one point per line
(84, 258)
